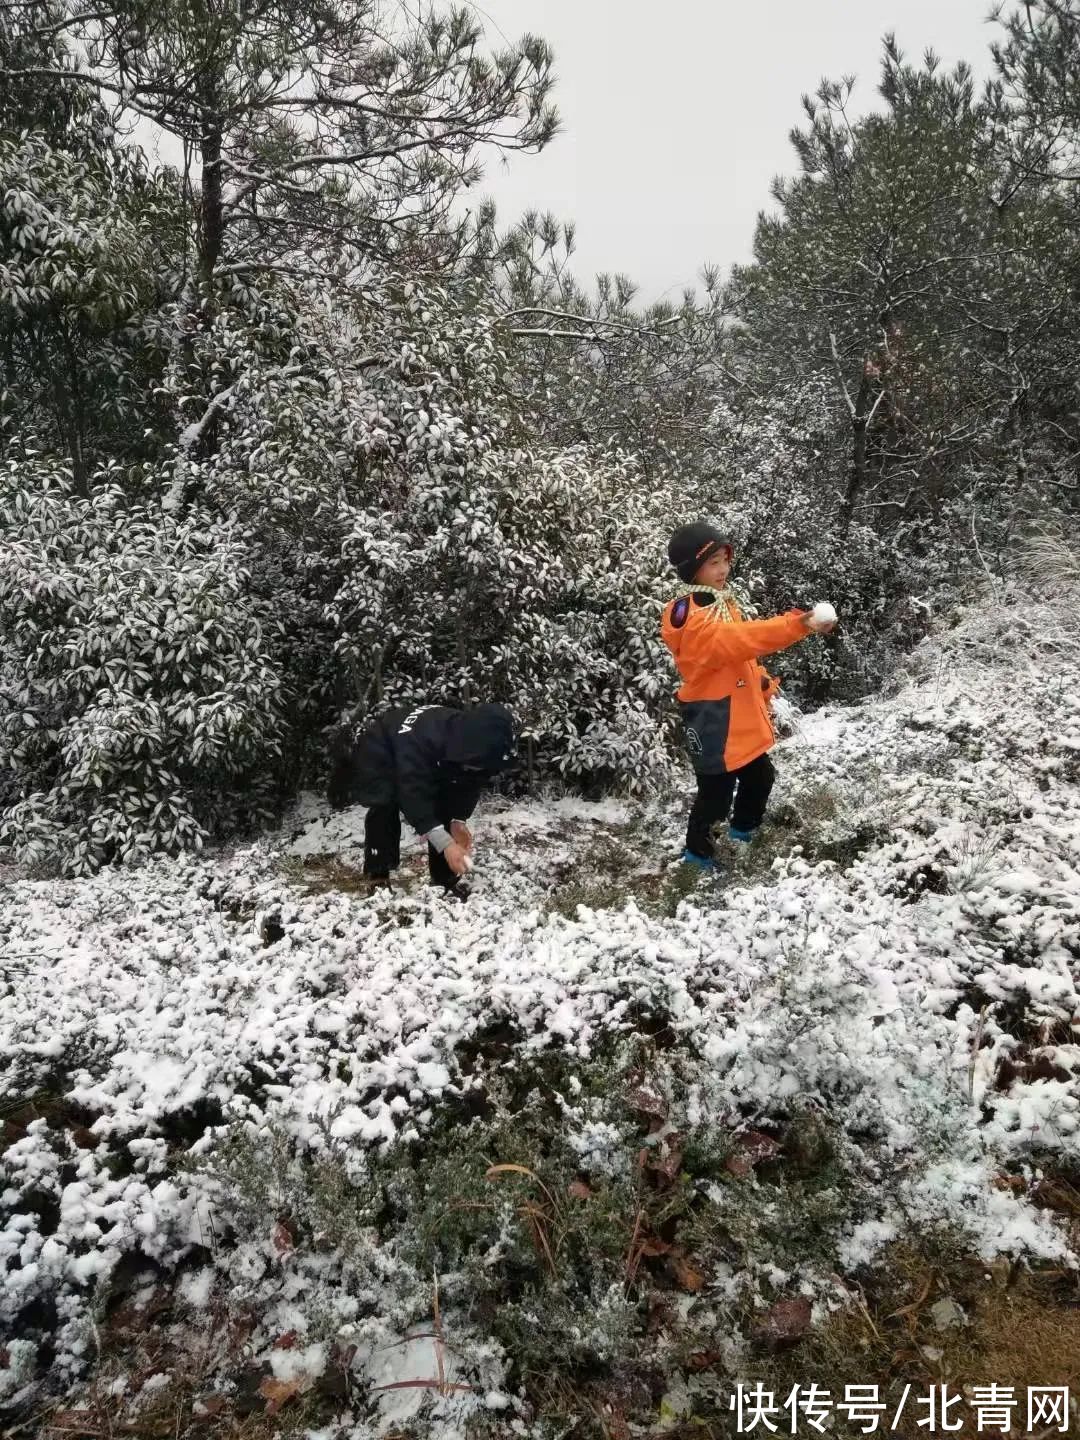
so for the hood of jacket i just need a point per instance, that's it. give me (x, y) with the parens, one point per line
(482, 739)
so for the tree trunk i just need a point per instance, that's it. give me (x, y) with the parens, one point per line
(861, 414)
(209, 240)
(857, 474)
(69, 425)
(211, 208)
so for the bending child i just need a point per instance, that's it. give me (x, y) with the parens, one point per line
(428, 763)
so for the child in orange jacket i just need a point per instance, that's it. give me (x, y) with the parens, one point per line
(726, 693)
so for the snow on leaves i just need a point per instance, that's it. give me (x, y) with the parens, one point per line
(933, 1025)
(139, 689)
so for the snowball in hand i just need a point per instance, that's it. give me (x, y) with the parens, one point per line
(824, 613)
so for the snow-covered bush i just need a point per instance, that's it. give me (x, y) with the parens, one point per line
(427, 547)
(852, 1054)
(411, 541)
(67, 242)
(533, 582)
(87, 236)
(776, 491)
(268, 438)
(140, 703)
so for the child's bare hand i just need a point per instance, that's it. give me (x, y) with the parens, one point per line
(462, 835)
(818, 627)
(456, 857)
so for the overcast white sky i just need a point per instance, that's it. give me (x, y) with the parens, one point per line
(676, 114)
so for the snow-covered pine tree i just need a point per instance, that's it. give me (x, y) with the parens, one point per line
(90, 245)
(342, 129)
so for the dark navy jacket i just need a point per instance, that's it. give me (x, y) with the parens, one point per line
(431, 761)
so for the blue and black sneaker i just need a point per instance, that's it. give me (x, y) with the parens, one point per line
(703, 862)
(741, 837)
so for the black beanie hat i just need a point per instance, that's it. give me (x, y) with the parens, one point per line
(692, 545)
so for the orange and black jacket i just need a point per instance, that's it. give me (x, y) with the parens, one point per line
(725, 694)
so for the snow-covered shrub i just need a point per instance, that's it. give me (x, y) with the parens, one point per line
(412, 543)
(87, 235)
(884, 1054)
(67, 241)
(140, 706)
(269, 439)
(478, 567)
(776, 492)
(64, 1206)
(535, 584)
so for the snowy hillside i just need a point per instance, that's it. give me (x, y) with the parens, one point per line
(253, 1116)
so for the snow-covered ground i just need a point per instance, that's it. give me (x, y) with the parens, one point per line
(920, 988)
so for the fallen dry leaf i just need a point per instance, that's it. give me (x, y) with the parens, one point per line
(647, 1102)
(277, 1393)
(703, 1360)
(669, 1162)
(751, 1148)
(785, 1322)
(687, 1276)
(652, 1246)
(445, 1387)
(578, 1190)
(283, 1237)
(661, 1314)
(668, 1165)
(210, 1405)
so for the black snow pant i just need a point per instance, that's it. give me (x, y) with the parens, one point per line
(382, 847)
(750, 786)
